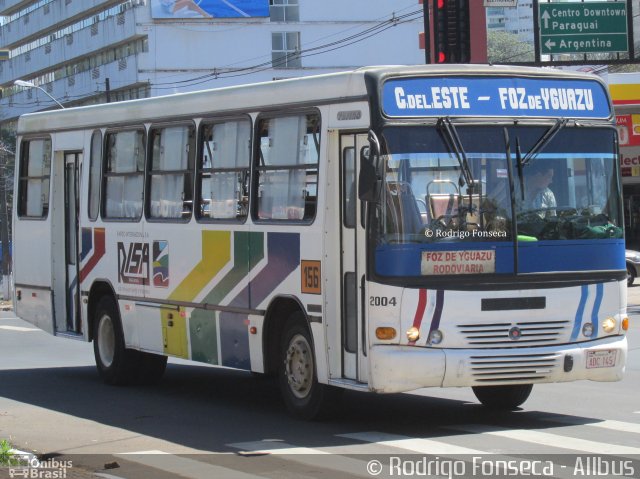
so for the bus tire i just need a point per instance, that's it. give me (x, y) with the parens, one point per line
(151, 368)
(505, 398)
(116, 364)
(304, 397)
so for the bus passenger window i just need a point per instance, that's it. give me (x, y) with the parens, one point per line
(95, 169)
(223, 170)
(35, 169)
(170, 192)
(287, 170)
(123, 176)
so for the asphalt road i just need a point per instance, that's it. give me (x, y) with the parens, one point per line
(202, 422)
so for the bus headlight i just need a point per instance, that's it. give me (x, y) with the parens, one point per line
(587, 330)
(435, 337)
(413, 334)
(609, 325)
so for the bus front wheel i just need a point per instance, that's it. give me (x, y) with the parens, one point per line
(304, 397)
(116, 364)
(503, 397)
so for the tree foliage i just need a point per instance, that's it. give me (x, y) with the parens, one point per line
(505, 47)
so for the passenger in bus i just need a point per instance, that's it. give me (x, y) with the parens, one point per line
(537, 195)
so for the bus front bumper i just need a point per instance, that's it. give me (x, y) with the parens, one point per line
(405, 368)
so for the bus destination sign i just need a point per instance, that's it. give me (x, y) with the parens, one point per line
(494, 96)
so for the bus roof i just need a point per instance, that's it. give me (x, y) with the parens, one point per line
(308, 90)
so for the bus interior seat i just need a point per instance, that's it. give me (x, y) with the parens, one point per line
(443, 205)
(404, 215)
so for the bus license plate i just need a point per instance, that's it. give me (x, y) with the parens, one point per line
(601, 359)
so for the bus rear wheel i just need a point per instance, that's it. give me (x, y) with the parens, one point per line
(304, 397)
(505, 398)
(116, 364)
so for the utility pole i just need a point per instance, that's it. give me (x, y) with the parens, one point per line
(427, 32)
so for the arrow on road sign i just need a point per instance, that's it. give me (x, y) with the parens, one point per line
(549, 44)
(546, 17)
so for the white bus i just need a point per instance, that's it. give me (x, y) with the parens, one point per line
(384, 229)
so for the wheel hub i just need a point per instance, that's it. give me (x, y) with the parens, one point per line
(299, 366)
(106, 340)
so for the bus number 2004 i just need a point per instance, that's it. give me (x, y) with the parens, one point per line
(382, 301)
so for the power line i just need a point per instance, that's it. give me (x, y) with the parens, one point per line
(267, 65)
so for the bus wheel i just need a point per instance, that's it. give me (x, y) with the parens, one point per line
(116, 364)
(304, 397)
(503, 397)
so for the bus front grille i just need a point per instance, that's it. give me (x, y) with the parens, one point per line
(507, 369)
(514, 335)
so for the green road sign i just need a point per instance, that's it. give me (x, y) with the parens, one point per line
(589, 27)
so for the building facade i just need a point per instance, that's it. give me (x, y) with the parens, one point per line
(89, 51)
(517, 20)
(625, 93)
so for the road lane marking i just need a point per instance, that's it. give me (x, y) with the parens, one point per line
(421, 445)
(18, 328)
(620, 426)
(183, 467)
(550, 440)
(305, 455)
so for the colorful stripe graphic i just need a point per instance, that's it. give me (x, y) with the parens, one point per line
(216, 253)
(422, 305)
(283, 257)
(584, 295)
(596, 309)
(437, 313)
(248, 251)
(97, 243)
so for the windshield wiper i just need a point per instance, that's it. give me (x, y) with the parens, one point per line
(520, 164)
(512, 193)
(544, 139)
(455, 146)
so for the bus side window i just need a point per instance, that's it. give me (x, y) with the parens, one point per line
(95, 168)
(223, 170)
(124, 175)
(35, 169)
(170, 192)
(287, 167)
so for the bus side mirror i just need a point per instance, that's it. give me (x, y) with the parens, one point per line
(368, 183)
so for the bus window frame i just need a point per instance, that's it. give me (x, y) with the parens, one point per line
(211, 120)
(105, 175)
(255, 176)
(148, 171)
(100, 167)
(22, 191)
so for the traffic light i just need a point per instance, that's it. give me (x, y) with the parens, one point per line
(451, 31)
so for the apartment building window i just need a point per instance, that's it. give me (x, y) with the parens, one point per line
(285, 50)
(284, 10)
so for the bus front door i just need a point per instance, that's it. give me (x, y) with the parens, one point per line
(67, 292)
(352, 265)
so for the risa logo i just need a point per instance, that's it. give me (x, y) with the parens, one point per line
(133, 263)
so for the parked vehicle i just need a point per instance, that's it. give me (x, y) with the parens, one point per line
(633, 265)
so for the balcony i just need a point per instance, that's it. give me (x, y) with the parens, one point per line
(122, 73)
(116, 29)
(47, 18)
(7, 7)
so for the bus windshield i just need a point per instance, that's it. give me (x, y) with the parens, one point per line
(469, 186)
